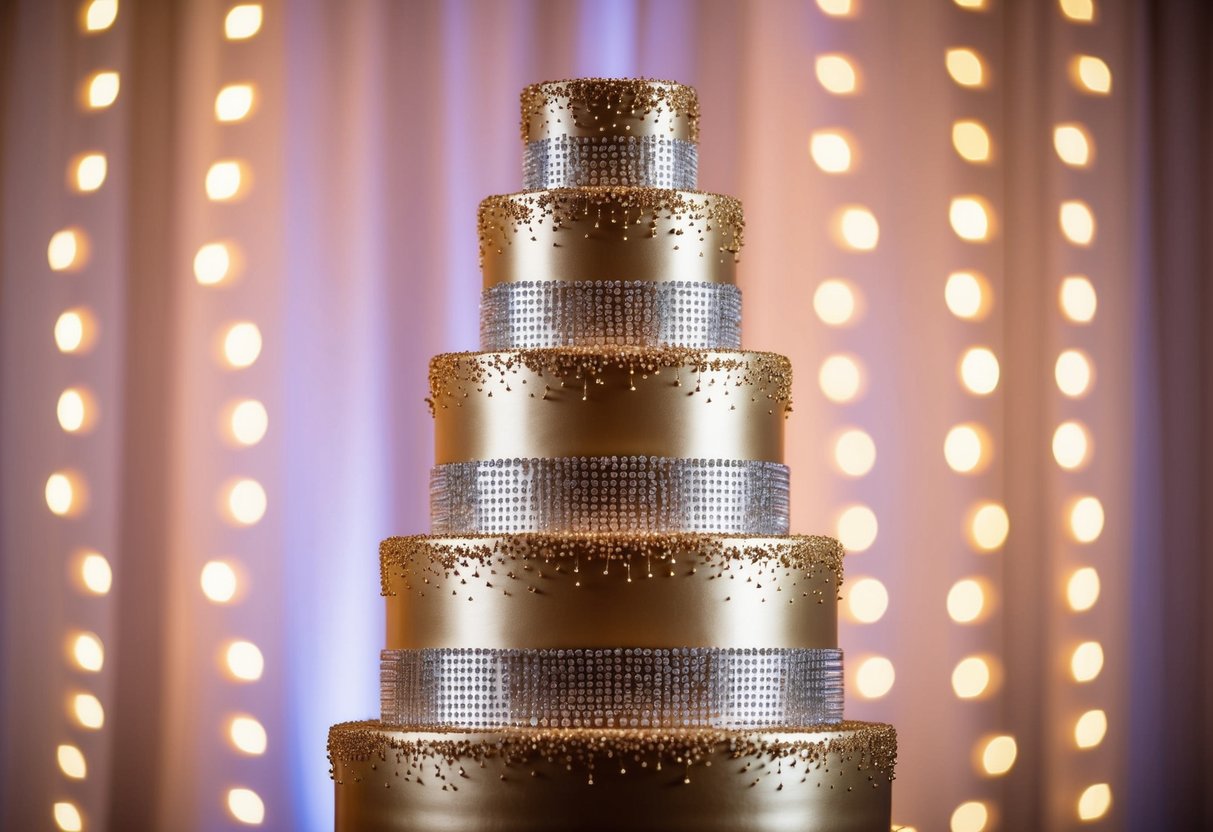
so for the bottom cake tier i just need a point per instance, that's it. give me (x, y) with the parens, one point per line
(831, 777)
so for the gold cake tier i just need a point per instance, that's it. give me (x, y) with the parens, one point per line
(603, 401)
(594, 107)
(610, 233)
(551, 591)
(811, 779)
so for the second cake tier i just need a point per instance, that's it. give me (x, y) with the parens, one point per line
(603, 402)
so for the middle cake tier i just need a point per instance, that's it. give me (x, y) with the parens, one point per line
(609, 402)
(588, 590)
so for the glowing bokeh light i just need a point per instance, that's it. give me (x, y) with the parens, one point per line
(88, 652)
(966, 448)
(1086, 662)
(212, 264)
(67, 250)
(1077, 222)
(835, 302)
(246, 502)
(75, 410)
(971, 816)
(1082, 590)
(249, 422)
(226, 180)
(840, 378)
(998, 755)
(989, 527)
(1073, 144)
(244, 661)
(1080, 11)
(243, 21)
(242, 344)
(99, 15)
(854, 452)
(857, 528)
(979, 371)
(71, 762)
(858, 229)
(88, 172)
(874, 678)
(966, 67)
(966, 601)
(219, 581)
(968, 295)
(88, 712)
(1086, 519)
(971, 677)
(1078, 299)
(247, 735)
(246, 806)
(1090, 728)
(95, 573)
(831, 151)
(971, 218)
(837, 8)
(1094, 802)
(63, 493)
(972, 141)
(234, 102)
(1091, 74)
(1073, 373)
(67, 817)
(75, 331)
(837, 74)
(101, 90)
(1071, 445)
(867, 600)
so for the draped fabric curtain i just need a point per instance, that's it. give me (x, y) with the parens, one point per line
(231, 235)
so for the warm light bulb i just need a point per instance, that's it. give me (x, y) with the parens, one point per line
(95, 573)
(1082, 590)
(830, 151)
(1071, 445)
(99, 15)
(966, 448)
(243, 21)
(75, 410)
(854, 452)
(971, 218)
(998, 755)
(966, 67)
(1090, 729)
(88, 172)
(247, 735)
(857, 229)
(67, 250)
(857, 528)
(835, 302)
(67, 817)
(244, 661)
(837, 8)
(1080, 11)
(1086, 519)
(71, 762)
(979, 371)
(989, 527)
(1086, 662)
(249, 422)
(226, 180)
(971, 677)
(234, 102)
(242, 344)
(837, 74)
(966, 601)
(246, 806)
(1091, 74)
(970, 817)
(840, 378)
(1073, 373)
(75, 331)
(1078, 300)
(88, 652)
(101, 90)
(1077, 222)
(1095, 801)
(246, 502)
(971, 140)
(1073, 144)
(867, 600)
(967, 295)
(64, 492)
(219, 581)
(88, 711)
(212, 264)
(874, 677)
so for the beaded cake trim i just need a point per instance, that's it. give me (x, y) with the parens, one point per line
(646, 97)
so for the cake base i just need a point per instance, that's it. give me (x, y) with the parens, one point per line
(835, 778)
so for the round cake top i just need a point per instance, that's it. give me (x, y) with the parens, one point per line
(610, 107)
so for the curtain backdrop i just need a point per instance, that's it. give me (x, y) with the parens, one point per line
(211, 390)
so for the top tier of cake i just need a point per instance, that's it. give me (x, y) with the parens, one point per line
(610, 131)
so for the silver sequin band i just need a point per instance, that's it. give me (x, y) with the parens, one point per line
(609, 494)
(575, 161)
(611, 688)
(551, 313)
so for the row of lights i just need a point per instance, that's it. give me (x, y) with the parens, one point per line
(243, 500)
(1074, 374)
(76, 411)
(838, 303)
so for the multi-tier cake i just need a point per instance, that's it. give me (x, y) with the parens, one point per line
(610, 627)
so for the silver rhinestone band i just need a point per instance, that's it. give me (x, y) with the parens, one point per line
(575, 161)
(550, 313)
(611, 687)
(609, 494)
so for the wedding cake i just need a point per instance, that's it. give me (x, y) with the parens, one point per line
(610, 627)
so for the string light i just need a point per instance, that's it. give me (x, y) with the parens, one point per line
(95, 573)
(87, 172)
(101, 90)
(75, 331)
(1082, 590)
(857, 528)
(835, 302)
(64, 493)
(972, 5)
(966, 601)
(248, 422)
(970, 217)
(246, 502)
(246, 806)
(1073, 144)
(1077, 299)
(88, 712)
(967, 295)
(99, 15)
(71, 762)
(1086, 662)
(88, 652)
(243, 21)
(971, 816)
(837, 8)
(989, 526)
(247, 735)
(1077, 222)
(242, 344)
(67, 817)
(234, 103)
(979, 371)
(1095, 801)
(1091, 75)
(219, 581)
(831, 151)
(1079, 11)
(75, 410)
(837, 74)
(998, 755)
(244, 661)
(971, 678)
(841, 378)
(966, 448)
(874, 678)
(226, 180)
(212, 264)
(972, 141)
(867, 600)
(1073, 373)
(1090, 728)
(854, 452)
(67, 250)
(1086, 519)
(1071, 445)
(857, 228)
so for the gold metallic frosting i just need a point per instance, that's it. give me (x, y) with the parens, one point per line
(610, 233)
(604, 590)
(604, 401)
(811, 778)
(593, 107)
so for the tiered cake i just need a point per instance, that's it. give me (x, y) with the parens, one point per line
(610, 627)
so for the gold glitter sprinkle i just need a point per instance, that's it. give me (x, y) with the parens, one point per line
(769, 374)
(867, 746)
(581, 100)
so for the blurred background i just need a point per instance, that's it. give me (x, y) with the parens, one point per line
(232, 234)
